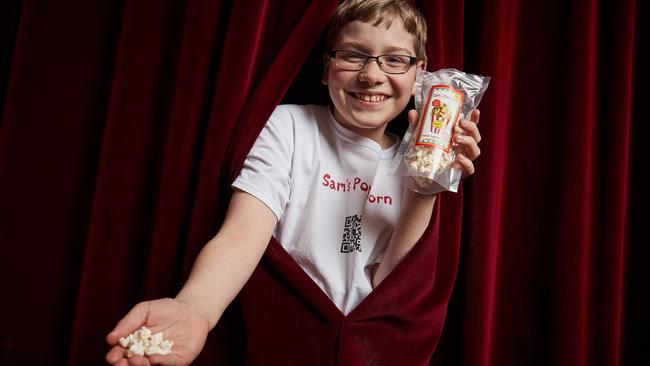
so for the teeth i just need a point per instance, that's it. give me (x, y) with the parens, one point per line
(370, 98)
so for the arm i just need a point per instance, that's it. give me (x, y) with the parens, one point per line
(416, 209)
(413, 220)
(219, 272)
(228, 260)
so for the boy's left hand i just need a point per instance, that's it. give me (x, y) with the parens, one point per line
(466, 143)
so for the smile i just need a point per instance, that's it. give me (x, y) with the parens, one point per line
(376, 98)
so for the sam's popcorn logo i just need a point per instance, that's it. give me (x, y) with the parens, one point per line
(437, 122)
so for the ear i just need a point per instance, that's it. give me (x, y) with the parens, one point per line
(421, 65)
(326, 70)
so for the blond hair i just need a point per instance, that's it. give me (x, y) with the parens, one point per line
(378, 12)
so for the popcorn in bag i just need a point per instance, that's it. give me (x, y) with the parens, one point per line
(427, 152)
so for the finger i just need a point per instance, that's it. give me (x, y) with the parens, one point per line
(465, 164)
(116, 354)
(118, 357)
(468, 146)
(470, 128)
(475, 115)
(122, 362)
(413, 117)
(136, 360)
(133, 320)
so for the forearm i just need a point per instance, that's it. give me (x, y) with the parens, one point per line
(219, 272)
(228, 260)
(414, 218)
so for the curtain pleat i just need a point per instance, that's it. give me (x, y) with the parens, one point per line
(52, 126)
(202, 33)
(575, 262)
(622, 43)
(544, 278)
(129, 167)
(487, 225)
(445, 38)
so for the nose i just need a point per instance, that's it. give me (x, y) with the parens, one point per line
(371, 74)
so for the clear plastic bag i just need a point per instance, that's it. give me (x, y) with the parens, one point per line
(426, 154)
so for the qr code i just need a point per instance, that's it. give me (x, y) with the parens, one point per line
(351, 234)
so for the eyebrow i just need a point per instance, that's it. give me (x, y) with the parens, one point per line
(362, 48)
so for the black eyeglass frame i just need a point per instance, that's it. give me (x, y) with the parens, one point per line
(412, 61)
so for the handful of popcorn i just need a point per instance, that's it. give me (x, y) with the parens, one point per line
(143, 342)
(426, 154)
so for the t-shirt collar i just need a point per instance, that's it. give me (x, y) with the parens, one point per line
(354, 137)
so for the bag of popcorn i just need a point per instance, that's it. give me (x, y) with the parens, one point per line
(426, 154)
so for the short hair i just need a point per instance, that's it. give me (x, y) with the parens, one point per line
(380, 12)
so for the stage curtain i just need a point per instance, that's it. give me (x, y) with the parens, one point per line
(123, 122)
(552, 256)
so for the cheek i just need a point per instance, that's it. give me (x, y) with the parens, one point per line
(336, 91)
(405, 89)
(337, 84)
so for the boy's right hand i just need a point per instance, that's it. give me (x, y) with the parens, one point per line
(179, 321)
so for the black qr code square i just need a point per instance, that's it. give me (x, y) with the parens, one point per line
(351, 234)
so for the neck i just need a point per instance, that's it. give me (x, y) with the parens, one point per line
(376, 134)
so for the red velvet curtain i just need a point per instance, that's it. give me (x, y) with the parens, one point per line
(123, 121)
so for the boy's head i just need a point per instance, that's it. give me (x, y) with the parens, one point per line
(380, 12)
(374, 48)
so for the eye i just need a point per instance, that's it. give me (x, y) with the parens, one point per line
(352, 57)
(395, 60)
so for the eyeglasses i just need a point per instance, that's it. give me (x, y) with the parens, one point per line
(355, 61)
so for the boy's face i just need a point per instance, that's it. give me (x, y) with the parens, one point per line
(366, 100)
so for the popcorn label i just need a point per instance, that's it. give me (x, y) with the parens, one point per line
(439, 117)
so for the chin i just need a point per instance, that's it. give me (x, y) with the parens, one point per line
(370, 121)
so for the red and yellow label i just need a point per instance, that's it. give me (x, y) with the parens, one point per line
(439, 117)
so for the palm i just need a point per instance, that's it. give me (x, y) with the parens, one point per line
(183, 326)
(177, 321)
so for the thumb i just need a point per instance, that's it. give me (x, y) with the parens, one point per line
(133, 320)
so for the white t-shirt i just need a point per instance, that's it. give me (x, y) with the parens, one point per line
(330, 189)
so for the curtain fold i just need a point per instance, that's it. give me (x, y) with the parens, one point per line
(542, 278)
(123, 123)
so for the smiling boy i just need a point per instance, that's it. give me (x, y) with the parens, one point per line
(340, 233)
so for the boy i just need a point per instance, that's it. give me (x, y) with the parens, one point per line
(317, 181)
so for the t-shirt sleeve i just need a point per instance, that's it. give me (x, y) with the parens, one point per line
(266, 173)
